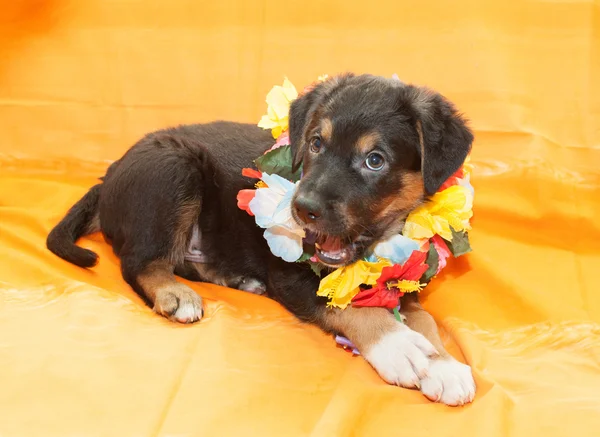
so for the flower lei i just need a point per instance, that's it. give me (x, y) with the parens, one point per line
(404, 263)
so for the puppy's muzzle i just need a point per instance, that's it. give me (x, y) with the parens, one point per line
(332, 250)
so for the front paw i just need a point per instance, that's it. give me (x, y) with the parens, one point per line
(252, 285)
(401, 357)
(449, 382)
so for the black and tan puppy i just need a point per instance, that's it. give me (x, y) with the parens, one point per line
(372, 149)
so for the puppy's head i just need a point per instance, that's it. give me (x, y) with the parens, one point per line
(372, 150)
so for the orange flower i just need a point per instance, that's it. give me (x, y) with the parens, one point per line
(251, 173)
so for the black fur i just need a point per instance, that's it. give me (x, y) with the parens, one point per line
(61, 240)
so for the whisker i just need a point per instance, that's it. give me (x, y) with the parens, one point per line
(366, 230)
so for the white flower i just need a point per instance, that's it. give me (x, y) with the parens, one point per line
(466, 182)
(272, 208)
(397, 249)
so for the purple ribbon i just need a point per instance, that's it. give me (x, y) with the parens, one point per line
(346, 344)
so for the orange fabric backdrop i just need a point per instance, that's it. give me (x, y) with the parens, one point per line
(80, 81)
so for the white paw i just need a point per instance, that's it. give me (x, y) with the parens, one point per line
(253, 286)
(179, 303)
(401, 357)
(189, 311)
(449, 382)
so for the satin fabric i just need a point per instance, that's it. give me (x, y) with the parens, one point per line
(81, 355)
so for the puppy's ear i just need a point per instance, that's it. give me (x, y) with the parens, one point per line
(300, 111)
(444, 136)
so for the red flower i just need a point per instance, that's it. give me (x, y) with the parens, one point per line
(384, 294)
(453, 180)
(243, 199)
(251, 173)
(377, 297)
(412, 269)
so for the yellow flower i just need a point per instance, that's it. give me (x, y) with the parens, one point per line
(342, 285)
(451, 207)
(278, 99)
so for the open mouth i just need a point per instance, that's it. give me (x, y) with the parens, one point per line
(333, 251)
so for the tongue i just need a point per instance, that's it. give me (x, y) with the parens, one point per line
(331, 245)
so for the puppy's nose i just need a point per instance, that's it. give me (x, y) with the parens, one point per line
(307, 209)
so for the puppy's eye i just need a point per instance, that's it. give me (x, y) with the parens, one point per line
(315, 145)
(374, 162)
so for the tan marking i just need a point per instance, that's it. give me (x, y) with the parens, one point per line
(367, 142)
(187, 214)
(169, 297)
(421, 142)
(410, 197)
(158, 275)
(413, 189)
(326, 129)
(421, 321)
(362, 326)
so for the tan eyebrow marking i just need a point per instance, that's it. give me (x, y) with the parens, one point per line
(326, 129)
(367, 142)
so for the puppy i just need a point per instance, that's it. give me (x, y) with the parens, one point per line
(372, 149)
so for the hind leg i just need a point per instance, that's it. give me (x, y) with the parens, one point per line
(168, 297)
(148, 263)
(148, 206)
(149, 256)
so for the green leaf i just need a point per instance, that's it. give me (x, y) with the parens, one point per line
(305, 257)
(316, 267)
(460, 243)
(278, 161)
(397, 315)
(432, 261)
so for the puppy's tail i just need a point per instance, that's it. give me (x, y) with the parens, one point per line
(80, 220)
